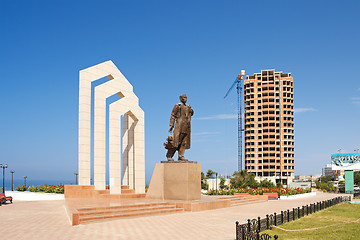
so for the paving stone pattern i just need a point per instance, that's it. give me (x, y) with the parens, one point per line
(49, 220)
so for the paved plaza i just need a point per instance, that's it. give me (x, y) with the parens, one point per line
(49, 220)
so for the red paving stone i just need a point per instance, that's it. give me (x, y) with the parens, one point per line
(49, 220)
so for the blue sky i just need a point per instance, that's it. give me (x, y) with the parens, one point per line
(166, 48)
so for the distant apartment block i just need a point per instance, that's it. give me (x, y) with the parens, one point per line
(327, 171)
(269, 126)
(334, 174)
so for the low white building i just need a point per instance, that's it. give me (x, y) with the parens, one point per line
(274, 179)
(300, 185)
(212, 183)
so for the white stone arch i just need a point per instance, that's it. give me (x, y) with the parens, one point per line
(118, 84)
(133, 171)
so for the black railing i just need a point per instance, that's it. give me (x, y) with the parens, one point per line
(252, 229)
(356, 194)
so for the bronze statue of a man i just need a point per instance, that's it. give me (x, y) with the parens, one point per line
(180, 122)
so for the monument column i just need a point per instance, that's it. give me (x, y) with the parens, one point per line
(84, 128)
(125, 153)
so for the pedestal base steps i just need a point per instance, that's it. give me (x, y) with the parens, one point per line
(85, 204)
(242, 200)
(87, 215)
(78, 191)
(94, 210)
(174, 188)
(88, 210)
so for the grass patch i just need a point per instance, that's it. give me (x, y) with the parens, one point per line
(340, 214)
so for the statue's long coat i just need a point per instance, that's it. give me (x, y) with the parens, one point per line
(181, 116)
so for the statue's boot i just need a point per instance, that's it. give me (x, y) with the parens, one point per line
(170, 153)
(181, 158)
(181, 152)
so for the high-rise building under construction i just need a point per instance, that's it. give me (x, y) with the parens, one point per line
(269, 126)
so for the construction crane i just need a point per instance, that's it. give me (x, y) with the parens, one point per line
(239, 88)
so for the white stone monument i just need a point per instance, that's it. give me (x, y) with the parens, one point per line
(132, 169)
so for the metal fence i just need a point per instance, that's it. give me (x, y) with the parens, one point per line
(356, 194)
(251, 229)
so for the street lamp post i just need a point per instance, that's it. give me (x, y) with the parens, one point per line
(216, 174)
(25, 177)
(76, 178)
(287, 180)
(3, 167)
(12, 180)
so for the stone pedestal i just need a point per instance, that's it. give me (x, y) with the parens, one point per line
(175, 181)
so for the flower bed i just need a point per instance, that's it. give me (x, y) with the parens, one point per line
(43, 188)
(261, 190)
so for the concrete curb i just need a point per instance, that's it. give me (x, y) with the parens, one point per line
(298, 196)
(33, 196)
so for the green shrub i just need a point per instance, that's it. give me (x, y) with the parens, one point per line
(33, 189)
(222, 192)
(43, 188)
(59, 189)
(204, 184)
(357, 178)
(261, 190)
(51, 188)
(21, 188)
(266, 183)
(325, 186)
(222, 183)
(243, 179)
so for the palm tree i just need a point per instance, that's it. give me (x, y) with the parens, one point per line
(210, 173)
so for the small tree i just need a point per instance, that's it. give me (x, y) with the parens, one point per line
(204, 184)
(342, 186)
(279, 185)
(243, 179)
(357, 178)
(325, 186)
(325, 179)
(222, 183)
(267, 183)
